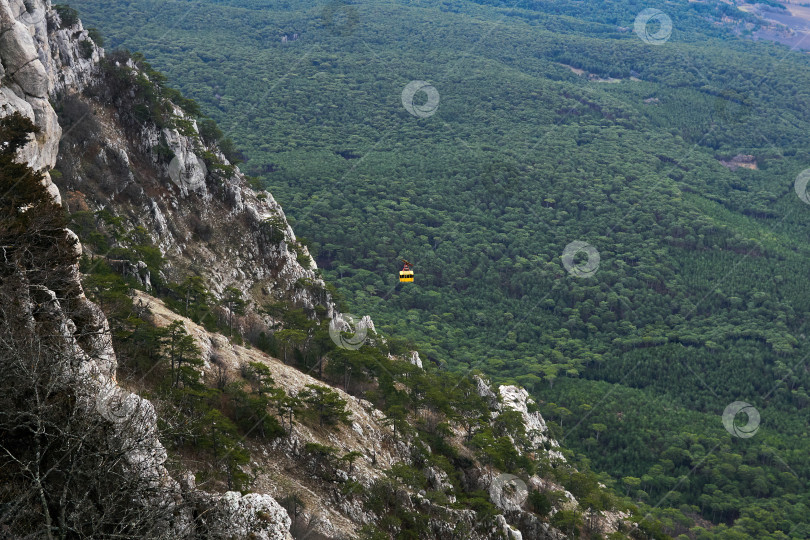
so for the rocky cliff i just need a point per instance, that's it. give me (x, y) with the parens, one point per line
(40, 57)
(200, 212)
(115, 144)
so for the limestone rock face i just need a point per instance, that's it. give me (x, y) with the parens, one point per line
(17, 46)
(518, 399)
(439, 481)
(10, 102)
(36, 64)
(186, 170)
(27, 92)
(198, 208)
(69, 64)
(32, 79)
(507, 531)
(234, 515)
(90, 372)
(39, 65)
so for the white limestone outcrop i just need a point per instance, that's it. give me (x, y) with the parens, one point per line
(517, 399)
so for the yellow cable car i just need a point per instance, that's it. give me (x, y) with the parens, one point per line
(406, 274)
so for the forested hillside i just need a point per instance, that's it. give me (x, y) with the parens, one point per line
(556, 123)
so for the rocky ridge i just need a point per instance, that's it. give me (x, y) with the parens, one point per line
(204, 217)
(33, 63)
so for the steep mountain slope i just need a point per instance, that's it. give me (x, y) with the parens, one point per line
(92, 472)
(84, 457)
(209, 223)
(292, 465)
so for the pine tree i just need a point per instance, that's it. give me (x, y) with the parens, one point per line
(258, 375)
(325, 404)
(233, 302)
(184, 355)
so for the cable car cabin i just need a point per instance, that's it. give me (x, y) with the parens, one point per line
(406, 274)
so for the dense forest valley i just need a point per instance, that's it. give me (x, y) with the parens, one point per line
(612, 217)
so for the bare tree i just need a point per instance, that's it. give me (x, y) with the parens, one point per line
(221, 375)
(77, 460)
